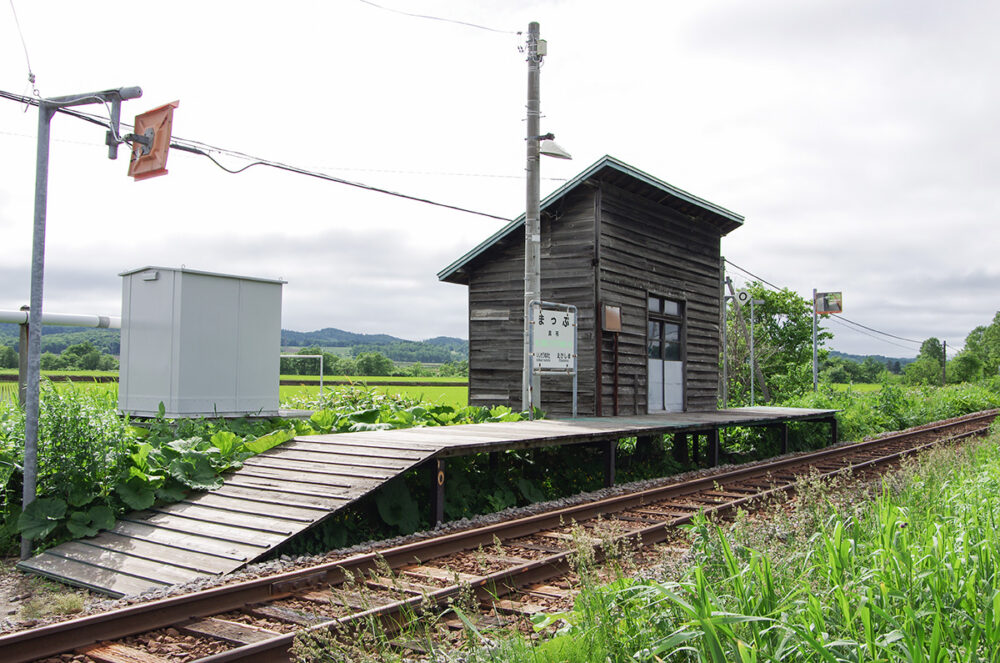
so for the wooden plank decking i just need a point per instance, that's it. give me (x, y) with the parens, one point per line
(281, 492)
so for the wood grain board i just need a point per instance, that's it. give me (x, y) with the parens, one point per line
(282, 492)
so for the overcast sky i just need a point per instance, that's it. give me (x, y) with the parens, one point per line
(857, 138)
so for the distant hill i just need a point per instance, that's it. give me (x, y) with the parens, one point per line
(435, 350)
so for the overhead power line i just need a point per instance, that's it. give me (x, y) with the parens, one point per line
(24, 44)
(439, 18)
(204, 149)
(330, 178)
(839, 317)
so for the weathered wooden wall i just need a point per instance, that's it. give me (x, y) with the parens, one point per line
(615, 240)
(496, 307)
(652, 248)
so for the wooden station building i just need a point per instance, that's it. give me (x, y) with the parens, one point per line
(616, 243)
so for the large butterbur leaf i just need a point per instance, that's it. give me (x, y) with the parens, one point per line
(41, 517)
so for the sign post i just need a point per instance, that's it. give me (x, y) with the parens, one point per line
(552, 349)
(824, 303)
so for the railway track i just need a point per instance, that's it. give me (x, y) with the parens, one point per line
(507, 568)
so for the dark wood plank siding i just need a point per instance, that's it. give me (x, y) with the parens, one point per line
(656, 249)
(496, 287)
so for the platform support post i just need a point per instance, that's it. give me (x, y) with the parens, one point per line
(681, 447)
(783, 432)
(713, 447)
(437, 492)
(833, 430)
(609, 462)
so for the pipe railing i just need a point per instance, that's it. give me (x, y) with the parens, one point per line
(64, 319)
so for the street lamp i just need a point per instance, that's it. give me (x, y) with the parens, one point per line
(537, 145)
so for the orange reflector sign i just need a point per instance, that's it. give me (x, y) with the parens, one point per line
(151, 160)
(829, 302)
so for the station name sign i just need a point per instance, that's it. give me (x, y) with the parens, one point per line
(553, 339)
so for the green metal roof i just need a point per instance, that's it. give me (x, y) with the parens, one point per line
(735, 220)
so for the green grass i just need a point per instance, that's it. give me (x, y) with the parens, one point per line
(861, 387)
(909, 571)
(456, 396)
(444, 395)
(370, 379)
(357, 379)
(89, 374)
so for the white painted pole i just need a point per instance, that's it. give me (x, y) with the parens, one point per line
(532, 224)
(65, 319)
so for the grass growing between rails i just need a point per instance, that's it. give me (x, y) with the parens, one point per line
(909, 571)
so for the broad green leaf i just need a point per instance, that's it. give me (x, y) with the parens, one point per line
(269, 441)
(369, 416)
(90, 521)
(79, 525)
(323, 420)
(136, 493)
(102, 516)
(41, 517)
(80, 496)
(172, 492)
(225, 442)
(196, 472)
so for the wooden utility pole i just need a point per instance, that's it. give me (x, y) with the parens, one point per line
(746, 337)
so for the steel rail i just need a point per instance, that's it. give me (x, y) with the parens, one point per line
(65, 636)
(277, 649)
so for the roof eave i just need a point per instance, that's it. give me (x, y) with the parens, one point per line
(730, 220)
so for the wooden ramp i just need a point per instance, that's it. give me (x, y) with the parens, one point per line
(281, 492)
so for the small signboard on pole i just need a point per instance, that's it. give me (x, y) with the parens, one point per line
(829, 302)
(552, 348)
(149, 155)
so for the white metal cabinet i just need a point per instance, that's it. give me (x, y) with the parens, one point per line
(202, 343)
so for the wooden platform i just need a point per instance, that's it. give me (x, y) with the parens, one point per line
(281, 492)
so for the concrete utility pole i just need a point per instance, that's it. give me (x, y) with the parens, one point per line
(532, 223)
(47, 108)
(815, 351)
(765, 392)
(944, 364)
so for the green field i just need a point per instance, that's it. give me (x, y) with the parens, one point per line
(356, 379)
(457, 396)
(372, 379)
(443, 395)
(88, 374)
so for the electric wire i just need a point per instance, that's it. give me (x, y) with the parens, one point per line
(438, 18)
(331, 178)
(204, 149)
(877, 338)
(839, 317)
(24, 44)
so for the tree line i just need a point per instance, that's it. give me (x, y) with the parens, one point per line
(374, 364)
(77, 357)
(783, 349)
